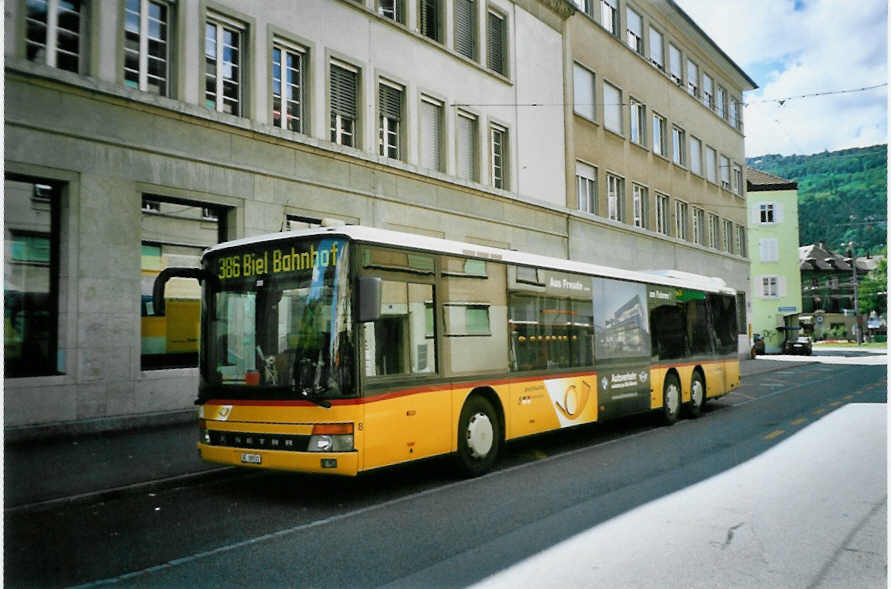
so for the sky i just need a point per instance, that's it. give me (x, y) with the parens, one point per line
(796, 47)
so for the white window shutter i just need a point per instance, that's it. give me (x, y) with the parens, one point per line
(778, 213)
(756, 214)
(781, 286)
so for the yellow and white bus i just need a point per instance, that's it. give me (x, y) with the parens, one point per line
(346, 349)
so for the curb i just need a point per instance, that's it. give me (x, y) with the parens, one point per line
(222, 472)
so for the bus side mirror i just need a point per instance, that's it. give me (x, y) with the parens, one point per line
(369, 298)
(161, 279)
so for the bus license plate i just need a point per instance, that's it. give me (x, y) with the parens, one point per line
(251, 458)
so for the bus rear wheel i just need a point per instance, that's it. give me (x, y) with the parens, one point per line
(479, 437)
(697, 395)
(671, 399)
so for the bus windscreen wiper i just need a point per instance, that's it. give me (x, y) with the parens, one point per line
(306, 381)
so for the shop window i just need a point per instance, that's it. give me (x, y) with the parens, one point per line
(175, 237)
(31, 279)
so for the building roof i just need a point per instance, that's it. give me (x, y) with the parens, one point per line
(758, 181)
(817, 257)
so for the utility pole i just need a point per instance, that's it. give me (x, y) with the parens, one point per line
(853, 260)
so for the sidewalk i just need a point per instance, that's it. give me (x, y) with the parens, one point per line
(101, 465)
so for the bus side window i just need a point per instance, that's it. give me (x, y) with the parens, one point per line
(402, 340)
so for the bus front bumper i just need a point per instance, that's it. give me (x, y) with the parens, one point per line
(341, 463)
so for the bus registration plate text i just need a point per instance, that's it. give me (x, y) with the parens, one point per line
(251, 458)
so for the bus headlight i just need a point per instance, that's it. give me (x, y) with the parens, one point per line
(331, 437)
(203, 432)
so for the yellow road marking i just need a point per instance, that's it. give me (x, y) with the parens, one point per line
(835, 404)
(819, 411)
(848, 397)
(774, 434)
(799, 421)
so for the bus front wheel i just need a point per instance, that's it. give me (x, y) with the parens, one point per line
(479, 437)
(671, 399)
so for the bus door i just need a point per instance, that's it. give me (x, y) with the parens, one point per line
(405, 407)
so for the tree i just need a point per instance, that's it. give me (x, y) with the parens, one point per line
(874, 289)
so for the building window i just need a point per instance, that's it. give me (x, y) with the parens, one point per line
(176, 238)
(708, 91)
(465, 28)
(54, 33)
(768, 250)
(674, 64)
(640, 206)
(710, 165)
(721, 103)
(495, 38)
(465, 139)
(714, 226)
(223, 85)
(727, 236)
(612, 108)
(609, 15)
(146, 48)
(31, 283)
(151, 206)
(392, 9)
(741, 240)
(638, 122)
(586, 188)
(736, 180)
(734, 114)
(498, 146)
(698, 226)
(615, 197)
(288, 86)
(769, 286)
(657, 50)
(585, 6)
(344, 81)
(634, 31)
(692, 79)
(431, 134)
(679, 146)
(695, 156)
(428, 19)
(389, 106)
(659, 146)
(767, 210)
(725, 173)
(680, 220)
(662, 215)
(583, 91)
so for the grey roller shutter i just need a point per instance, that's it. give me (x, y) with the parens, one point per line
(431, 139)
(390, 101)
(343, 91)
(495, 38)
(464, 27)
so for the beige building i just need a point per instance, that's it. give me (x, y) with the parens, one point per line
(138, 132)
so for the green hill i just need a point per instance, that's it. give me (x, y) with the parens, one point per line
(842, 195)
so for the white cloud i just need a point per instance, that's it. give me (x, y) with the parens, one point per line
(824, 45)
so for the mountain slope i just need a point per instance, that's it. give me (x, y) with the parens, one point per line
(842, 195)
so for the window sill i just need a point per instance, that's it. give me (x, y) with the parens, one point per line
(586, 119)
(616, 134)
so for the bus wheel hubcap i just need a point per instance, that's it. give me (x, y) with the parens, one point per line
(480, 435)
(673, 398)
(697, 393)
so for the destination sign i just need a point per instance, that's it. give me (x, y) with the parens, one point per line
(280, 259)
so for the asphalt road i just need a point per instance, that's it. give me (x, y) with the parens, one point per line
(418, 525)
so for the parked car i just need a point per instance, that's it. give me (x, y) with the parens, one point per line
(758, 345)
(799, 345)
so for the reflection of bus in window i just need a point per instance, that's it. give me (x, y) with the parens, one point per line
(347, 349)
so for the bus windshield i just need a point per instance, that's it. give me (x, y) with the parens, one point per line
(277, 323)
